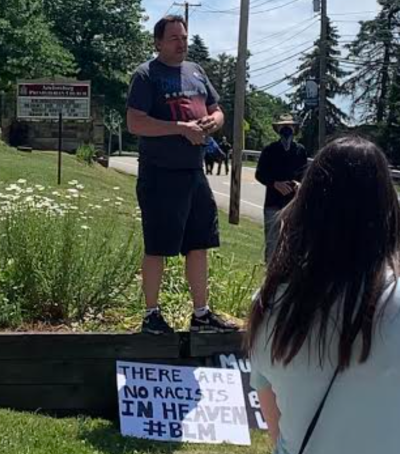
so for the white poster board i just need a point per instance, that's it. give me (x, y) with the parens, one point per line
(182, 404)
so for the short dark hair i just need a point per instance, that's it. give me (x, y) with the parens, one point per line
(159, 28)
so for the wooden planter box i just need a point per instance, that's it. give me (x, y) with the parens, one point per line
(69, 374)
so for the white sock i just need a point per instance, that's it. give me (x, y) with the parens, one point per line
(200, 312)
(151, 311)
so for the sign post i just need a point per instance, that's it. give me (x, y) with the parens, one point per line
(60, 129)
(51, 100)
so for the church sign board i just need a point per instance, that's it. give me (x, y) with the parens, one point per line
(42, 100)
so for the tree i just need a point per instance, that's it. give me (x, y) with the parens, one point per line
(262, 109)
(198, 52)
(375, 55)
(222, 73)
(28, 48)
(107, 40)
(309, 69)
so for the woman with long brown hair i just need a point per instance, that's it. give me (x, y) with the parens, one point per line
(324, 332)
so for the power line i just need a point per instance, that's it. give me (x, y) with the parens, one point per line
(287, 39)
(284, 92)
(186, 5)
(276, 7)
(284, 48)
(355, 13)
(169, 9)
(281, 33)
(278, 81)
(234, 11)
(291, 57)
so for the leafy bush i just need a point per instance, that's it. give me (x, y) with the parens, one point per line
(61, 257)
(86, 153)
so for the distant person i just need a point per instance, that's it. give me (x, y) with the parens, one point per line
(329, 310)
(280, 168)
(173, 107)
(213, 154)
(226, 148)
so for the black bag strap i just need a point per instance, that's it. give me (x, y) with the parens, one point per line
(313, 424)
(314, 421)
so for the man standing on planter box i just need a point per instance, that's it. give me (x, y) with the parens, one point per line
(173, 107)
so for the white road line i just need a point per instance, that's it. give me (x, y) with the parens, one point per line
(242, 201)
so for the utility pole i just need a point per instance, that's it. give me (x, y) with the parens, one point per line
(238, 127)
(323, 72)
(187, 6)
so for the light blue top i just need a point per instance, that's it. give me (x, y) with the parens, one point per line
(362, 413)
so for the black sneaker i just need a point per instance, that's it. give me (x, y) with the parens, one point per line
(211, 323)
(155, 324)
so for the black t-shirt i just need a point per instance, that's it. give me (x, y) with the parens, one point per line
(277, 164)
(171, 93)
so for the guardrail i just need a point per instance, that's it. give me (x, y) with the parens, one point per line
(256, 154)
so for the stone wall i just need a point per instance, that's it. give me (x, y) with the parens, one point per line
(43, 135)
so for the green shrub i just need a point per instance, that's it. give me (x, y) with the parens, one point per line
(62, 257)
(86, 153)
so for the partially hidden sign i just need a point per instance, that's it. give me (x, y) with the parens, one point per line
(254, 415)
(41, 100)
(182, 404)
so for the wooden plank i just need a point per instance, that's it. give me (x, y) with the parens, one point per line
(94, 399)
(76, 346)
(76, 372)
(211, 344)
(91, 394)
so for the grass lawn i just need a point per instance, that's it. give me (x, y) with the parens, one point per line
(245, 241)
(22, 433)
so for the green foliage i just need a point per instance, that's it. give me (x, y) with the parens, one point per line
(86, 153)
(61, 258)
(198, 52)
(107, 40)
(222, 73)
(230, 289)
(310, 69)
(376, 49)
(28, 48)
(262, 109)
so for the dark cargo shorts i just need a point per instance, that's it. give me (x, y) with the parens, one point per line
(179, 213)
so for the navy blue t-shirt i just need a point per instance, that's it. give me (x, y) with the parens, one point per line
(171, 93)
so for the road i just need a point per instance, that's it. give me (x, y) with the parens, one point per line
(252, 197)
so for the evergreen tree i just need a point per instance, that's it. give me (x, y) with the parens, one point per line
(374, 53)
(198, 52)
(310, 69)
(222, 73)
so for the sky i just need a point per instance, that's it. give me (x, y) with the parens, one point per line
(278, 30)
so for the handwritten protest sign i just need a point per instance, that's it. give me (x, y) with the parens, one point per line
(255, 417)
(174, 403)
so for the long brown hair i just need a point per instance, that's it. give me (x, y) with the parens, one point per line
(338, 237)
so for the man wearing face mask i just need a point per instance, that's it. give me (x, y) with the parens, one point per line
(280, 169)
